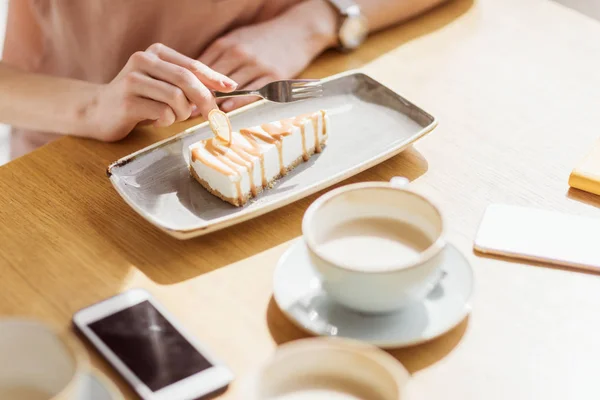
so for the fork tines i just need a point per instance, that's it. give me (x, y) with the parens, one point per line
(306, 88)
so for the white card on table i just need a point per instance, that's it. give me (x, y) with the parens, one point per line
(540, 235)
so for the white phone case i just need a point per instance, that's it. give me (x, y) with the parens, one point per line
(205, 382)
(540, 235)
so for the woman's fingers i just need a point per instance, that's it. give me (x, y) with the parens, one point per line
(166, 119)
(213, 52)
(228, 65)
(247, 74)
(178, 76)
(206, 75)
(153, 89)
(237, 102)
(177, 83)
(142, 109)
(244, 76)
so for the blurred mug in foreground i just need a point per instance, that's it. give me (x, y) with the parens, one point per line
(37, 363)
(328, 369)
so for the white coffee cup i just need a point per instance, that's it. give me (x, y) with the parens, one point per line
(383, 288)
(36, 363)
(327, 369)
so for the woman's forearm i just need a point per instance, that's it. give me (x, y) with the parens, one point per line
(384, 13)
(320, 20)
(45, 103)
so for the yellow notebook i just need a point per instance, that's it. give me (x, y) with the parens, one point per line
(586, 175)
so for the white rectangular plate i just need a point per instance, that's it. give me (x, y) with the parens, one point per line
(369, 124)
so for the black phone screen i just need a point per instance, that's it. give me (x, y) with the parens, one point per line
(150, 346)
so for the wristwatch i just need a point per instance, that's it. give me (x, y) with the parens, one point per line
(352, 28)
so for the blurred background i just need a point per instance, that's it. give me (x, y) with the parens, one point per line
(589, 7)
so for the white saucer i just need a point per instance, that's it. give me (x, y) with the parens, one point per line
(297, 292)
(94, 388)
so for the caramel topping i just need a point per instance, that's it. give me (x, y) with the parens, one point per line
(222, 155)
(247, 156)
(263, 175)
(238, 188)
(315, 124)
(244, 153)
(196, 156)
(279, 145)
(277, 132)
(304, 153)
(255, 133)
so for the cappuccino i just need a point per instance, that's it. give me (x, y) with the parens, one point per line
(374, 243)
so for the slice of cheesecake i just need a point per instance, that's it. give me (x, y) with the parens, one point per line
(239, 167)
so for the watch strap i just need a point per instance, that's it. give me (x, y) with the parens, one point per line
(342, 6)
(345, 9)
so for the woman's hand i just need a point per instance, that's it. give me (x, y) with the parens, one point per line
(159, 85)
(279, 48)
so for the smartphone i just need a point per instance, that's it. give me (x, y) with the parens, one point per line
(150, 349)
(540, 235)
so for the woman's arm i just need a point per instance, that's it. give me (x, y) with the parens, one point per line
(158, 84)
(380, 14)
(384, 13)
(44, 103)
(280, 48)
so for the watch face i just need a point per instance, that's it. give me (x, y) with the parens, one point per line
(353, 31)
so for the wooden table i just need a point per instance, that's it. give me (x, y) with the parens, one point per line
(515, 84)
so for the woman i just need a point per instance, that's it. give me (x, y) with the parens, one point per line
(96, 69)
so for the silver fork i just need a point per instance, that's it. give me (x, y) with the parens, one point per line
(281, 91)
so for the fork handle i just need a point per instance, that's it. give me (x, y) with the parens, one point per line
(236, 93)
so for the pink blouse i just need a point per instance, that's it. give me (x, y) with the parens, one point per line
(93, 39)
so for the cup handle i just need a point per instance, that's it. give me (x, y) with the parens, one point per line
(399, 182)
